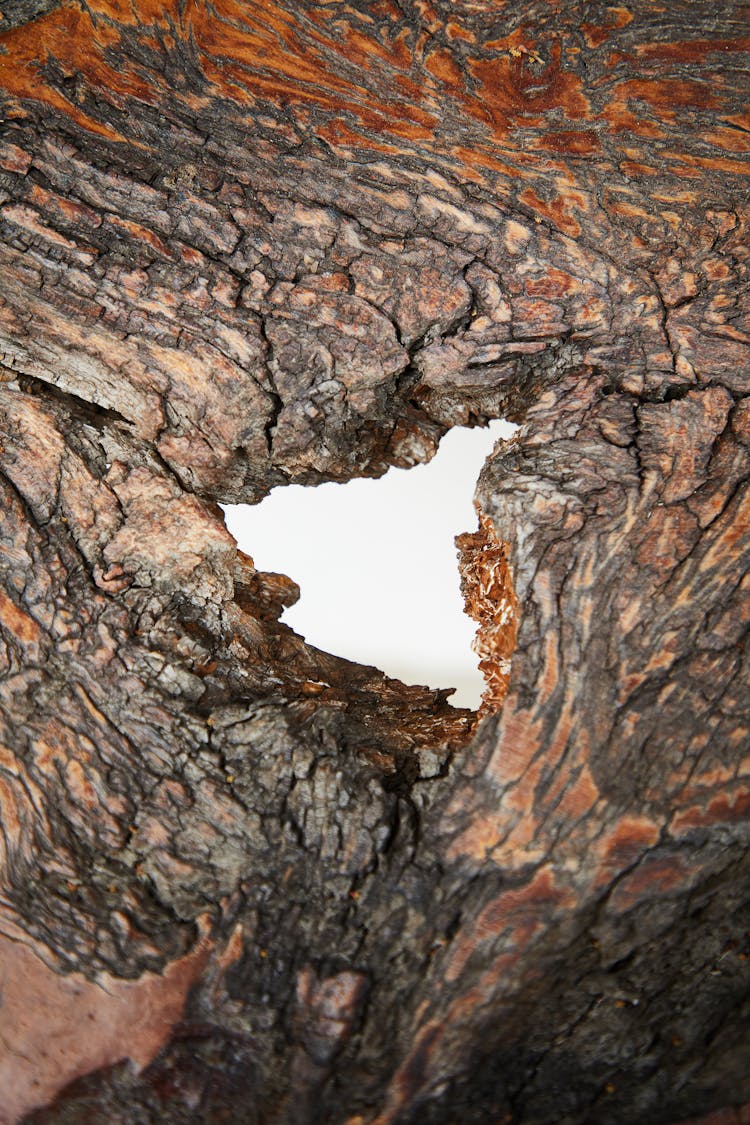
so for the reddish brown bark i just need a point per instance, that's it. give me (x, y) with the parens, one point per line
(243, 245)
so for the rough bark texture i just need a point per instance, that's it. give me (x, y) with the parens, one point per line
(245, 244)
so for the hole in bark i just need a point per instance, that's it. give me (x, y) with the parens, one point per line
(378, 570)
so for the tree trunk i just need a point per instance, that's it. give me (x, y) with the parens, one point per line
(250, 244)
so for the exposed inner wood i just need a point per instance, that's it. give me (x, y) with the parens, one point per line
(491, 600)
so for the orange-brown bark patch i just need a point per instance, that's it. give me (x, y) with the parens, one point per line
(456, 31)
(554, 283)
(14, 159)
(22, 627)
(570, 142)
(594, 35)
(665, 94)
(444, 67)
(730, 139)
(514, 90)
(614, 19)
(338, 133)
(479, 840)
(520, 739)
(723, 809)
(577, 795)
(657, 875)
(111, 1019)
(31, 221)
(692, 165)
(550, 674)
(65, 210)
(691, 50)
(131, 229)
(636, 169)
(557, 210)
(77, 43)
(260, 51)
(79, 786)
(473, 158)
(630, 837)
(515, 914)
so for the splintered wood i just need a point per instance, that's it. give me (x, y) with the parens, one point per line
(490, 599)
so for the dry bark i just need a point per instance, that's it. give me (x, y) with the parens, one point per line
(245, 244)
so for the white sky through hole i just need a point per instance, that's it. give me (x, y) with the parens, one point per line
(376, 562)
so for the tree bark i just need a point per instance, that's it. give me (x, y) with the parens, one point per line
(251, 244)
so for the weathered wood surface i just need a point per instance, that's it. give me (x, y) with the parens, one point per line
(244, 244)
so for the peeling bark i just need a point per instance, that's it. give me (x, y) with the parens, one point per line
(244, 245)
